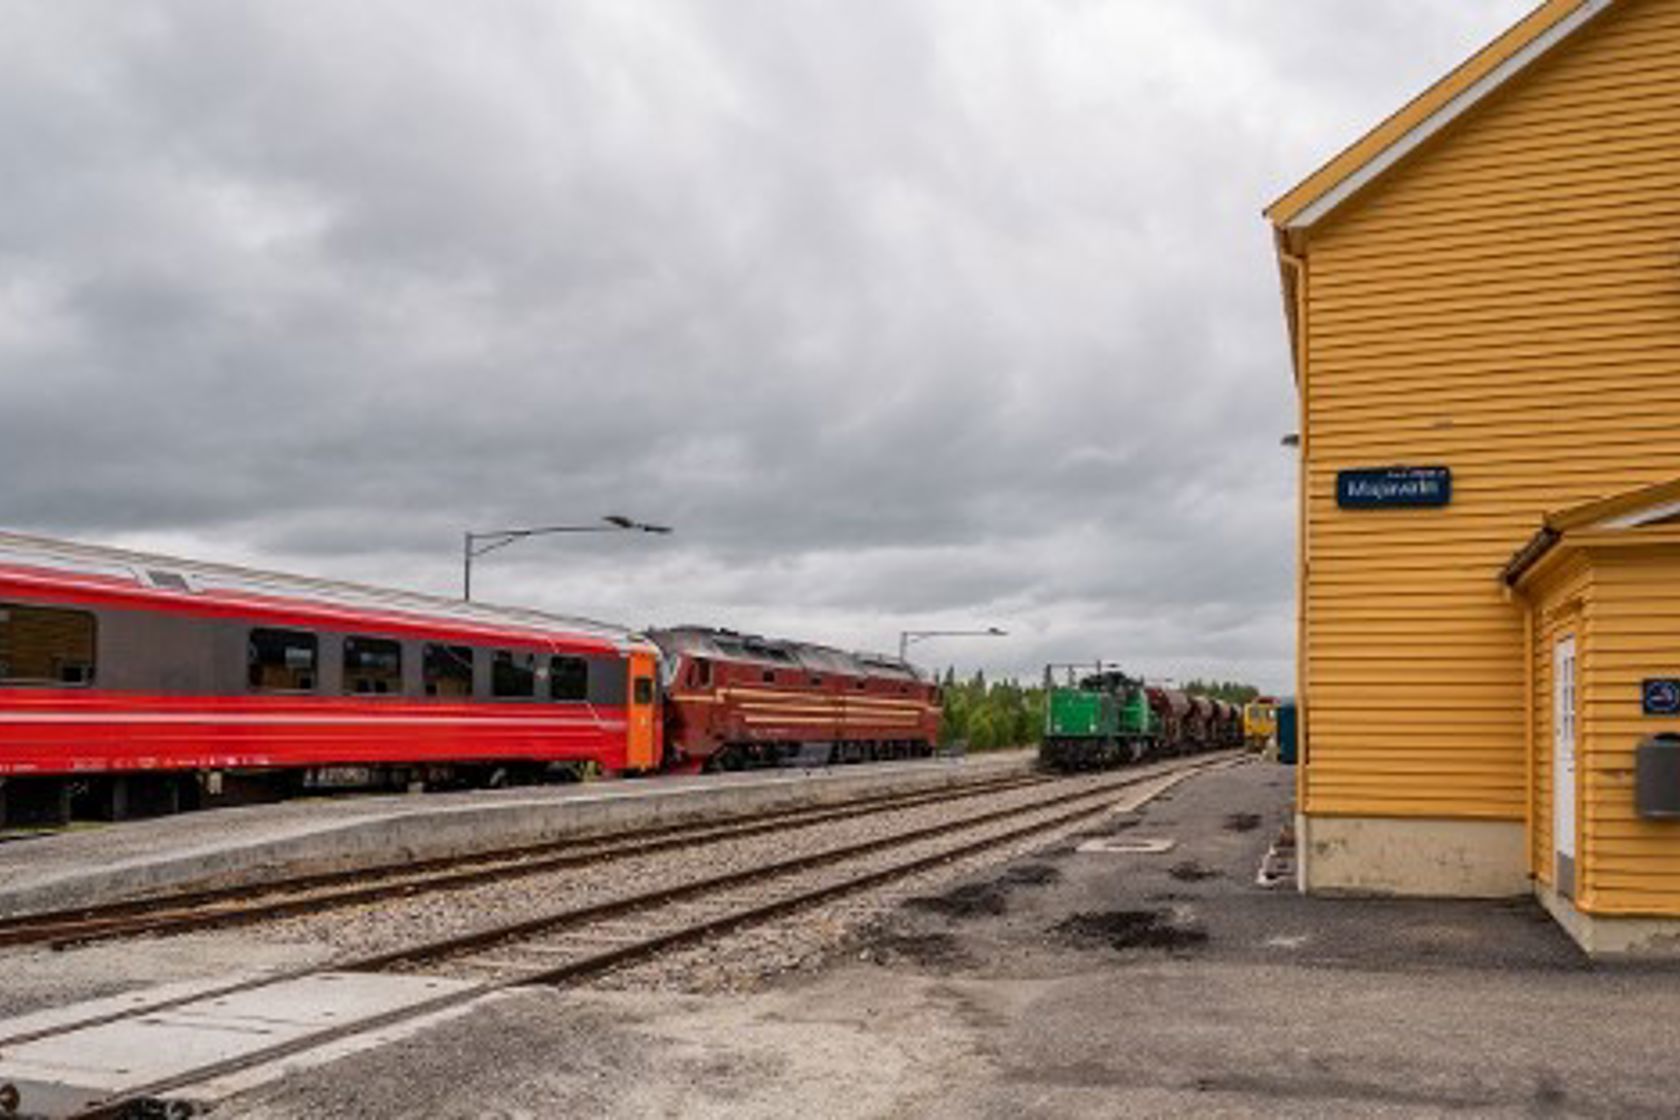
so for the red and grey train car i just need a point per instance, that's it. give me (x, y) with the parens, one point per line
(736, 700)
(122, 673)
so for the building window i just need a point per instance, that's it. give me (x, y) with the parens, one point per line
(447, 671)
(568, 678)
(644, 690)
(45, 645)
(282, 660)
(373, 666)
(513, 674)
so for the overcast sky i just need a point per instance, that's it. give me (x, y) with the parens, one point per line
(906, 313)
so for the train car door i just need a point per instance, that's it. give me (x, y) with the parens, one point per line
(643, 745)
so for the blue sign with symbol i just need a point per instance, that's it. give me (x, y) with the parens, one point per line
(1391, 487)
(1662, 697)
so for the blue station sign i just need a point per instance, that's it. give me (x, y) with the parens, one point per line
(1394, 488)
(1661, 697)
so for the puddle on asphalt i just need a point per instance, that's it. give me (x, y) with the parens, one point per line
(1031, 875)
(1130, 929)
(971, 900)
(1192, 872)
(924, 950)
(987, 899)
(1242, 822)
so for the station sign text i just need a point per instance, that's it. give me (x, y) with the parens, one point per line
(1394, 487)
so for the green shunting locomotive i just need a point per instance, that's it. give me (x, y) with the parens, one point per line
(1098, 720)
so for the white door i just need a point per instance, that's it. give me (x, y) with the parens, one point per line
(1563, 765)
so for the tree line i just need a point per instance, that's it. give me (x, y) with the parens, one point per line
(1232, 692)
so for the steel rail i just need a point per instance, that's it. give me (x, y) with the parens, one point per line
(226, 906)
(611, 908)
(251, 983)
(849, 810)
(121, 1106)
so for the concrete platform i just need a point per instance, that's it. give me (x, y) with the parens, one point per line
(260, 843)
(66, 1073)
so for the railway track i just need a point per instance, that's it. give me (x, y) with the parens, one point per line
(572, 944)
(227, 906)
(569, 945)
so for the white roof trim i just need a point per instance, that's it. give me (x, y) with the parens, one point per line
(1446, 114)
(1647, 516)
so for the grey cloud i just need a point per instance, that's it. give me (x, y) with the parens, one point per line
(921, 313)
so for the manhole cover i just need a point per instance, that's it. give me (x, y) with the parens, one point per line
(1128, 845)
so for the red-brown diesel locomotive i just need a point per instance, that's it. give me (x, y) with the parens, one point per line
(737, 700)
(143, 683)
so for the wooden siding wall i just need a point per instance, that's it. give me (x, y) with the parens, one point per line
(1506, 303)
(1627, 866)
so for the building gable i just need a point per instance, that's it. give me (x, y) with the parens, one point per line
(1448, 100)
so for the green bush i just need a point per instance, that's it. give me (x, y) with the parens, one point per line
(991, 716)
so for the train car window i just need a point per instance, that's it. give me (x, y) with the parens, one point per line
(816, 680)
(372, 666)
(644, 690)
(702, 673)
(282, 660)
(568, 678)
(447, 671)
(769, 676)
(513, 674)
(45, 646)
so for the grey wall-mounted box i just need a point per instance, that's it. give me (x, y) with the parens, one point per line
(1657, 777)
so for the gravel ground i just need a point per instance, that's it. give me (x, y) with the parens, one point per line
(1075, 985)
(849, 928)
(755, 951)
(356, 822)
(386, 925)
(39, 978)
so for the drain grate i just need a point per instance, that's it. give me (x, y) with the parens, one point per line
(1128, 846)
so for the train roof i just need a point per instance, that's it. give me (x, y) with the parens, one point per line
(179, 577)
(733, 645)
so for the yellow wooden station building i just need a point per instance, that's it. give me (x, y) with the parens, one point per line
(1483, 299)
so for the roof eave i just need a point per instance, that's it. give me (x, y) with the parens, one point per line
(1371, 157)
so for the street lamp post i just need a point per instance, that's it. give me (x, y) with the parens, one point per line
(474, 545)
(907, 638)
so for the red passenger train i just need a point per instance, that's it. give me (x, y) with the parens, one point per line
(145, 684)
(116, 664)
